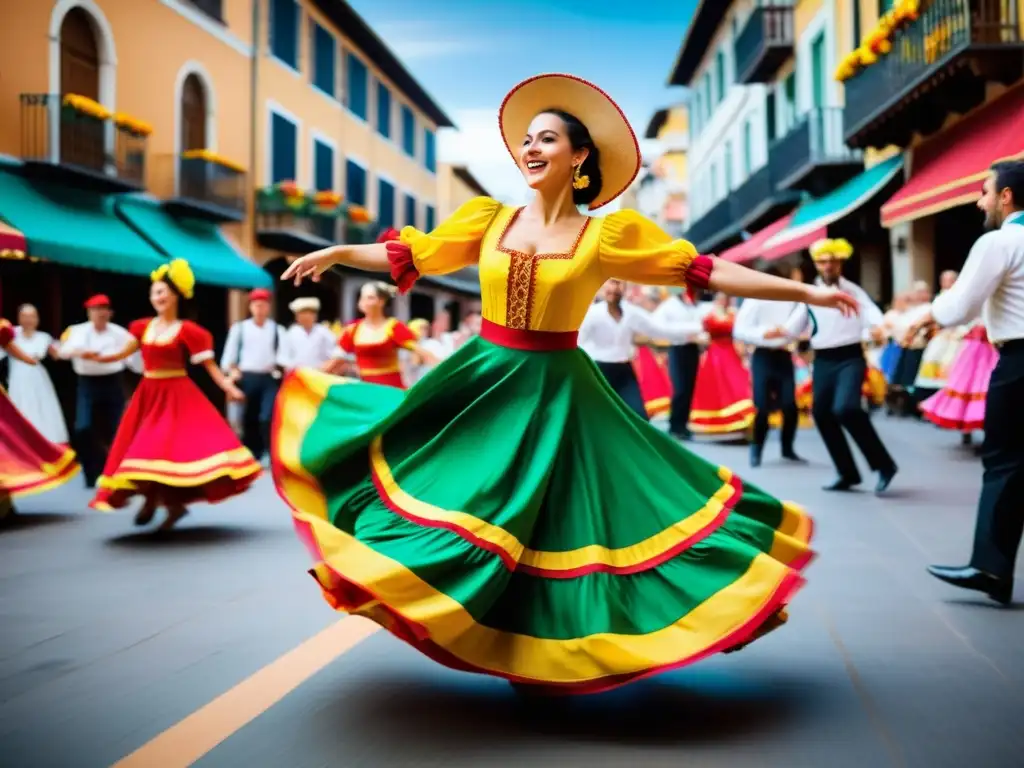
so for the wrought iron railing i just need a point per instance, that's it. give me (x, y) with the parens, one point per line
(769, 26)
(817, 138)
(204, 181)
(945, 29)
(56, 133)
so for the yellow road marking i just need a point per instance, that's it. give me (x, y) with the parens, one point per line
(184, 743)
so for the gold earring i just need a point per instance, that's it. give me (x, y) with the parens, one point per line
(579, 182)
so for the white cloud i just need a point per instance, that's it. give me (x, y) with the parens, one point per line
(419, 40)
(478, 145)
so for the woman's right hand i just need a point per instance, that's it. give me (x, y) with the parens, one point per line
(311, 265)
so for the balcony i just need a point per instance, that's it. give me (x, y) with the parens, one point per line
(715, 229)
(207, 188)
(939, 65)
(64, 144)
(759, 200)
(292, 220)
(813, 156)
(765, 43)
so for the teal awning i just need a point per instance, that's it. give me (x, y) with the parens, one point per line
(73, 227)
(814, 215)
(212, 258)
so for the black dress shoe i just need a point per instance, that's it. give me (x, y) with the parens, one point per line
(884, 479)
(968, 577)
(841, 484)
(791, 456)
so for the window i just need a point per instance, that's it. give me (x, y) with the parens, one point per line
(720, 76)
(428, 218)
(698, 111)
(728, 167)
(355, 183)
(385, 204)
(211, 8)
(323, 165)
(714, 183)
(284, 136)
(429, 150)
(410, 211)
(748, 147)
(789, 102)
(707, 95)
(818, 71)
(284, 31)
(770, 116)
(324, 60)
(408, 131)
(358, 86)
(383, 110)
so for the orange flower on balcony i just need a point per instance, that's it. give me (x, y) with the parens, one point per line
(210, 156)
(290, 189)
(879, 41)
(86, 106)
(325, 198)
(358, 215)
(133, 125)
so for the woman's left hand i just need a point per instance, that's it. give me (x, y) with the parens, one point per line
(819, 296)
(234, 394)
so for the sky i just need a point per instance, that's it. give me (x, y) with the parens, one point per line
(467, 54)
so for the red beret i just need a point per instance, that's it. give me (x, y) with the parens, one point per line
(259, 294)
(99, 300)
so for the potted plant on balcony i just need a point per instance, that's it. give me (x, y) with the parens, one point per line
(358, 225)
(283, 198)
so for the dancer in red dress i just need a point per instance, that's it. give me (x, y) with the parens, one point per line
(376, 338)
(654, 380)
(29, 463)
(723, 398)
(173, 447)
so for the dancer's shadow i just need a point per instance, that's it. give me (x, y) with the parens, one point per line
(685, 707)
(198, 535)
(22, 521)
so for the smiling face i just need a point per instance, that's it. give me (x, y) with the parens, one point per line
(163, 298)
(995, 203)
(28, 317)
(546, 156)
(370, 302)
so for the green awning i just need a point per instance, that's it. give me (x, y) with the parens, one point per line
(73, 227)
(813, 216)
(212, 258)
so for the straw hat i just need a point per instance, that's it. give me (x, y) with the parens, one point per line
(608, 126)
(305, 304)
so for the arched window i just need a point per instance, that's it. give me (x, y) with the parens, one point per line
(82, 141)
(193, 114)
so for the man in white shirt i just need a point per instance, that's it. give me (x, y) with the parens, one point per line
(992, 284)
(607, 333)
(309, 344)
(839, 369)
(254, 354)
(771, 368)
(100, 392)
(681, 312)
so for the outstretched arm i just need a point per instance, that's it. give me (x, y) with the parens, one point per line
(125, 353)
(369, 258)
(222, 381)
(737, 280)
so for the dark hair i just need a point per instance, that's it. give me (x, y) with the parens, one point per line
(579, 138)
(1010, 175)
(383, 291)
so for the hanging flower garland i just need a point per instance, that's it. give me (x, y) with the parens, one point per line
(878, 42)
(132, 125)
(209, 156)
(83, 105)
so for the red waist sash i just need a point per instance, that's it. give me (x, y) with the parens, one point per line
(530, 341)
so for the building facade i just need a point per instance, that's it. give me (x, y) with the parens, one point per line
(661, 190)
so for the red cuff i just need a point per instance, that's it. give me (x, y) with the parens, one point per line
(403, 271)
(698, 275)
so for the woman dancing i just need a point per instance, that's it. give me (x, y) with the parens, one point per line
(32, 389)
(375, 339)
(960, 405)
(173, 447)
(510, 515)
(29, 463)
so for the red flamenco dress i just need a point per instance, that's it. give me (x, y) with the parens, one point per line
(173, 446)
(376, 349)
(654, 380)
(29, 463)
(723, 397)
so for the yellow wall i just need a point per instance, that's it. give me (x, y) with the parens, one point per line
(803, 14)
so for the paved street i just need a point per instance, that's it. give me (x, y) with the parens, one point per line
(108, 638)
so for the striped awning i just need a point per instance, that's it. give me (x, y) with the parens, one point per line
(12, 242)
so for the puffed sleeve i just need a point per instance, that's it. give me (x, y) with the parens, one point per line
(634, 248)
(347, 340)
(137, 328)
(6, 334)
(454, 244)
(403, 336)
(198, 341)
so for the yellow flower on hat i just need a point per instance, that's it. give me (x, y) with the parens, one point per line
(824, 249)
(179, 274)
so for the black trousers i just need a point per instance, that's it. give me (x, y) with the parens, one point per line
(1000, 525)
(260, 390)
(99, 405)
(622, 379)
(838, 379)
(683, 362)
(774, 388)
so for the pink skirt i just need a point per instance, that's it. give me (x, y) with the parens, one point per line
(960, 405)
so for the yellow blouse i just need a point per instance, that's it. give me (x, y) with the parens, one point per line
(547, 291)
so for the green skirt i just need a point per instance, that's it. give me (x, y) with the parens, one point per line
(510, 515)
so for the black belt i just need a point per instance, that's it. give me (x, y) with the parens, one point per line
(1010, 345)
(846, 352)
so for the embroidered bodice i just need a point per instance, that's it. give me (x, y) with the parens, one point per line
(169, 352)
(719, 327)
(545, 291)
(376, 349)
